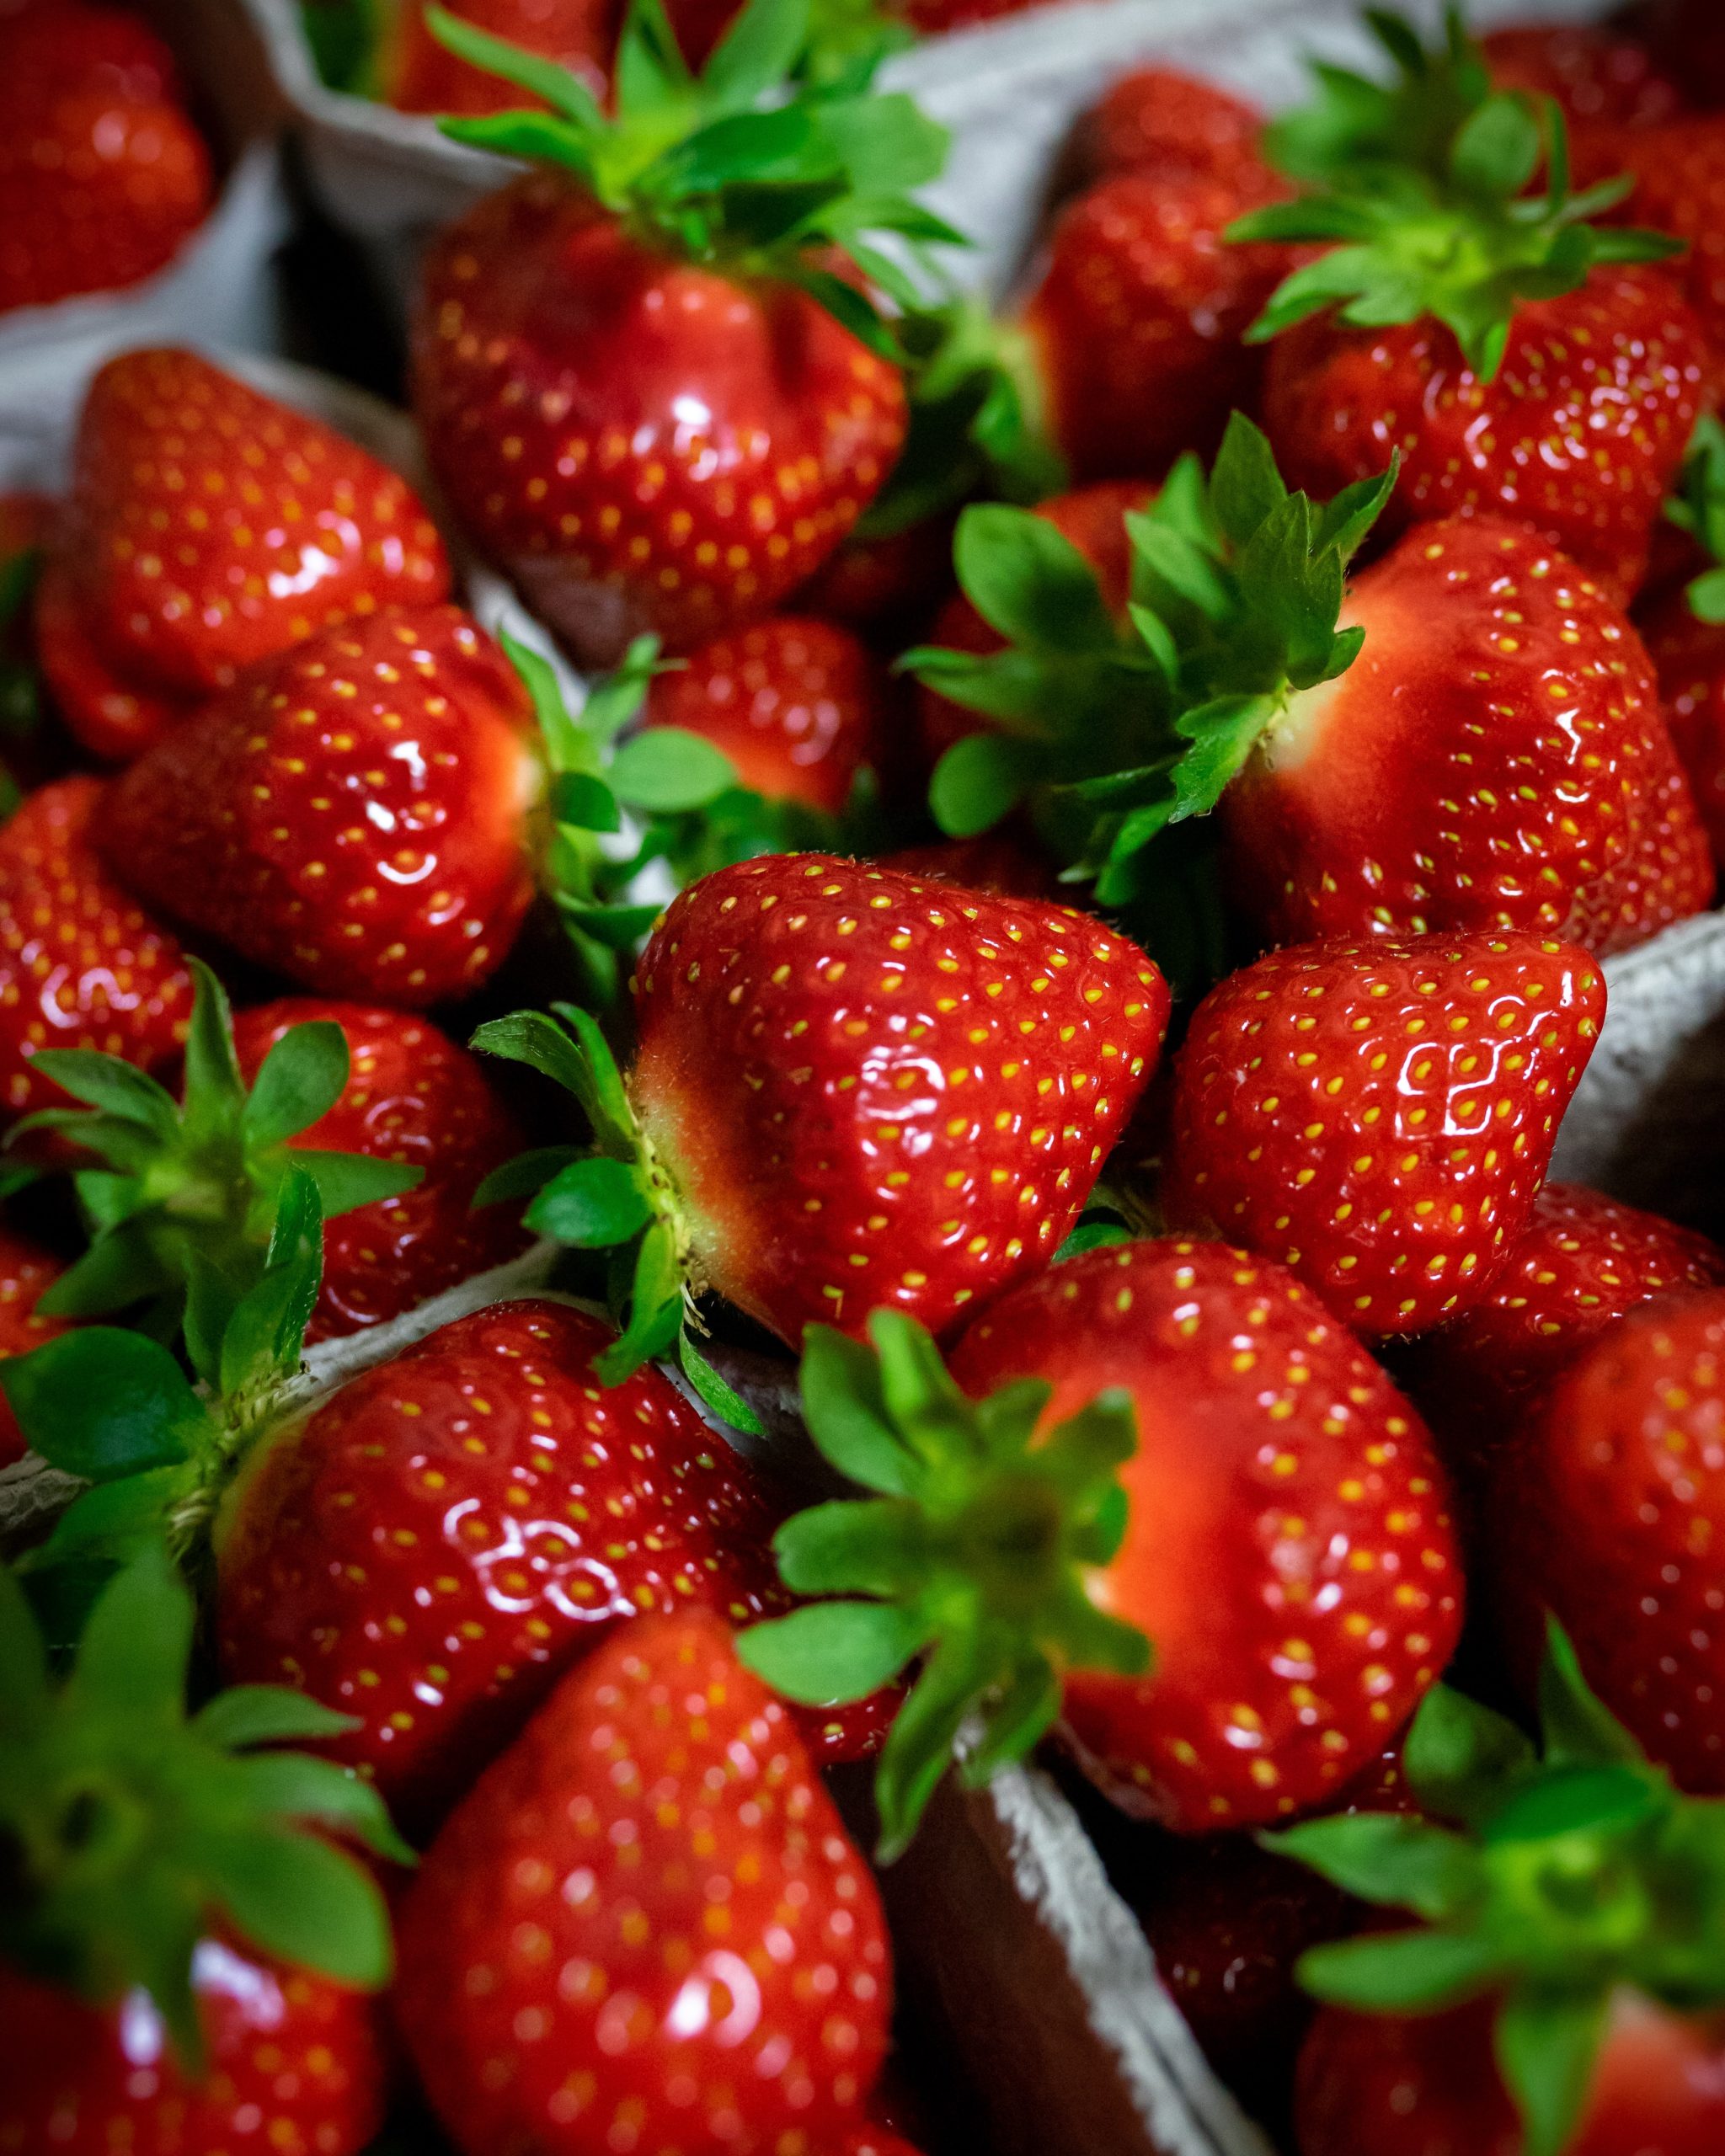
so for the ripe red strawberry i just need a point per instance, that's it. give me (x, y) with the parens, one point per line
(1605, 1508)
(1679, 185)
(1173, 127)
(412, 1097)
(419, 74)
(646, 1924)
(434, 1545)
(1569, 411)
(880, 585)
(1582, 1262)
(25, 1271)
(1379, 1116)
(104, 176)
(351, 814)
(1689, 655)
(799, 705)
(1594, 75)
(295, 2054)
(1136, 323)
(81, 964)
(1278, 1529)
(867, 1090)
(642, 437)
(209, 527)
(1494, 758)
(993, 864)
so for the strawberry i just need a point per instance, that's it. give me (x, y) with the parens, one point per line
(412, 1097)
(419, 74)
(81, 965)
(210, 527)
(644, 438)
(1173, 127)
(645, 1924)
(1277, 1530)
(1679, 184)
(994, 863)
(1681, 622)
(1564, 1993)
(432, 1547)
(189, 1950)
(1597, 78)
(852, 1089)
(877, 586)
(1604, 1508)
(1135, 324)
(1582, 1262)
(1518, 358)
(351, 814)
(25, 1271)
(1394, 774)
(1380, 1115)
(104, 176)
(799, 706)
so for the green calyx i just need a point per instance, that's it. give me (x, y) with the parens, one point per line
(613, 1195)
(1111, 730)
(973, 1552)
(1698, 508)
(183, 1211)
(623, 797)
(1420, 188)
(1572, 1869)
(346, 37)
(20, 687)
(131, 1828)
(116, 1409)
(741, 164)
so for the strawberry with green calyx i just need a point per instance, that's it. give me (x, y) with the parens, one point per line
(137, 1830)
(115, 1408)
(1485, 330)
(1685, 630)
(852, 1088)
(183, 1208)
(1567, 1977)
(651, 375)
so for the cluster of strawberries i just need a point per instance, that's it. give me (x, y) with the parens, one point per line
(1210, 1409)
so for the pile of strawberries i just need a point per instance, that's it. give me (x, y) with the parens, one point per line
(1057, 924)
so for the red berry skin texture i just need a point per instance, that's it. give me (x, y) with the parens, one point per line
(872, 1092)
(1679, 176)
(26, 1272)
(1158, 121)
(420, 75)
(1378, 1117)
(1596, 76)
(296, 2065)
(209, 527)
(1494, 758)
(1607, 1509)
(442, 1536)
(1690, 657)
(1582, 1261)
(646, 1924)
(1578, 436)
(641, 442)
(352, 814)
(412, 1097)
(798, 704)
(81, 963)
(1427, 2085)
(1288, 1550)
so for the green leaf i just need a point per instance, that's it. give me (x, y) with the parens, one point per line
(1460, 1758)
(919, 1746)
(1706, 596)
(294, 1786)
(728, 1404)
(1568, 1799)
(296, 1898)
(102, 1402)
(565, 92)
(592, 1203)
(579, 799)
(1015, 1722)
(523, 1176)
(1389, 1859)
(1497, 149)
(1245, 486)
(1223, 734)
(345, 1181)
(530, 1037)
(846, 1413)
(245, 1715)
(137, 1643)
(302, 1078)
(1403, 1972)
(829, 1652)
(655, 1307)
(114, 1086)
(111, 1523)
(1546, 2046)
(980, 780)
(756, 53)
(24, 1693)
(874, 1547)
(1575, 1725)
(666, 769)
(1028, 581)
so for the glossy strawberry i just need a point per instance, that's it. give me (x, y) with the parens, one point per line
(798, 704)
(1379, 1116)
(1582, 1261)
(414, 1097)
(1494, 758)
(25, 1271)
(81, 964)
(352, 814)
(448, 1532)
(209, 527)
(1604, 1509)
(646, 1922)
(289, 2055)
(1596, 76)
(104, 176)
(1689, 656)
(1172, 127)
(421, 75)
(1244, 1573)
